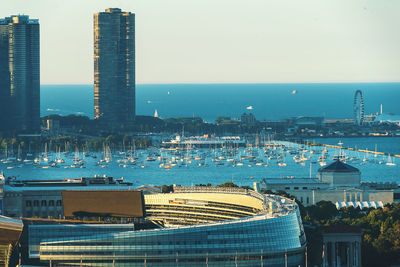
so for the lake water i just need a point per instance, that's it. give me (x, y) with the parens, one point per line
(268, 101)
(145, 172)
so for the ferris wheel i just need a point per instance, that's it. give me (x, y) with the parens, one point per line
(358, 108)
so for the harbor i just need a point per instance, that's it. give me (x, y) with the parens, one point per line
(215, 164)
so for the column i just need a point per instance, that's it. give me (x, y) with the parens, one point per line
(333, 254)
(359, 263)
(348, 255)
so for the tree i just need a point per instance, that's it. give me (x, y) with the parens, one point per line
(227, 184)
(167, 188)
(323, 210)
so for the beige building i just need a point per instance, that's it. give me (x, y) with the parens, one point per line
(337, 182)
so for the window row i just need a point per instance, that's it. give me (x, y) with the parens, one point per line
(43, 203)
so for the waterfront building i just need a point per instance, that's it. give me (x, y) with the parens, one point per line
(387, 119)
(43, 198)
(205, 141)
(114, 66)
(19, 74)
(303, 121)
(337, 182)
(194, 226)
(248, 119)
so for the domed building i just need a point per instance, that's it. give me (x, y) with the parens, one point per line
(337, 182)
(339, 173)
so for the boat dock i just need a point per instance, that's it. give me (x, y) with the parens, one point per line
(354, 149)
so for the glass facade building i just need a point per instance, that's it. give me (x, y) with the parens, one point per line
(10, 231)
(273, 237)
(114, 66)
(19, 74)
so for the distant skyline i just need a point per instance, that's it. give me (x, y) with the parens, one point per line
(226, 41)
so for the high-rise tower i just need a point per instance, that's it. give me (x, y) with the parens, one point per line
(114, 66)
(19, 74)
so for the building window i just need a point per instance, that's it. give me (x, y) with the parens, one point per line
(28, 203)
(296, 187)
(287, 188)
(301, 199)
(308, 200)
(36, 203)
(305, 187)
(44, 203)
(58, 203)
(51, 202)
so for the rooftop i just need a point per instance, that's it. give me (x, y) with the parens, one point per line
(92, 183)
(291, 180)
(20, 19)
(113, 10)
(338, 166)
(340, 229)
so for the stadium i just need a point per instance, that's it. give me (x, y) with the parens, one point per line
(193, 226)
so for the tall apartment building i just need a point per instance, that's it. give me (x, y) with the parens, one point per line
(19, 74)
(114, 66)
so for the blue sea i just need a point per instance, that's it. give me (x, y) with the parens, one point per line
(208, 101)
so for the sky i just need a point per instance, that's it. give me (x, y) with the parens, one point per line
(226, 41)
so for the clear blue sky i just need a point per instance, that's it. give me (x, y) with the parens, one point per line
(205, 41)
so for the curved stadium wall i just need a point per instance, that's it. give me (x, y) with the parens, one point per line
(200, 227)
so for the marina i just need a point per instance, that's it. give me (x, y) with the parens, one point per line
(216, 164)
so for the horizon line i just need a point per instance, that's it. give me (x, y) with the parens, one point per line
(213, 83)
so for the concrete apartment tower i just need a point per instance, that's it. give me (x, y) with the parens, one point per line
(114, 67)
(19, 74)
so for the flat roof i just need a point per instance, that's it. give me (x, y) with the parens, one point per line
(288, 180)
(8, 188)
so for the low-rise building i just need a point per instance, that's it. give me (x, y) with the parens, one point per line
(248, 119)
(337, 182)
(43, 198)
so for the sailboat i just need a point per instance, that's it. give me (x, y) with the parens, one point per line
(45, 157)
(59, 159)
(390, 163)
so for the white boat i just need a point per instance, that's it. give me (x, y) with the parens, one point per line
(390, 162)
